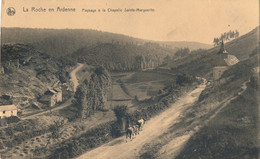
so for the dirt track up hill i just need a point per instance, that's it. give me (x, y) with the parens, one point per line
(119, 149)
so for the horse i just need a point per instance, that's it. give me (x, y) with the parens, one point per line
(135, 130)
(140, 124)
(129, 133)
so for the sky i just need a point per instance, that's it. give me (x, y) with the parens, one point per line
(169, 20)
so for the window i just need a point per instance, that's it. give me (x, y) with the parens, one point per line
(4, 112)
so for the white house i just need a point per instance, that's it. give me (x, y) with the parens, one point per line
(7, 111)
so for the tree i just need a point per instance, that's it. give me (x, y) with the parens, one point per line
(226, 37)
(216, 41)
(167, 59)
(56, 133)
(182, 52)
(183, 79)
(80, 99)
(236, 34)
(55, 129)
(120, 112)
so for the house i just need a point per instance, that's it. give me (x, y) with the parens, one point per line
(7, 111)
(52, 97)
(222, 62)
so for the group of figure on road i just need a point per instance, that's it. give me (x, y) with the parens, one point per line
(135, 129)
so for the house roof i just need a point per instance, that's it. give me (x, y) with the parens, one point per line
(231, 60)
(57, 89)
(8, 107)
(53, 91)
(45, 98)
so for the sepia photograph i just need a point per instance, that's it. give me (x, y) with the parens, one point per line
(129, 79)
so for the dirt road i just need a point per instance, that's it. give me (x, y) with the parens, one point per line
(73, 77)
(119, 149)
(175, 144)
(68, 102)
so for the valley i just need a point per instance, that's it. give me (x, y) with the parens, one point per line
(79, 103)
(140, 85)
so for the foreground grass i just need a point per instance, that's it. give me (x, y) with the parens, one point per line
(232, 133)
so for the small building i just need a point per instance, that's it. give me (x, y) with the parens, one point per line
(52, 97)
(7, 111)
(222, 62)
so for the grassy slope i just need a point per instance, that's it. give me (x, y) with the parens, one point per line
(140, 84)
(232, 133)
(147, 77)
(30, 80)
(183, 44)
(200, 64)
(242, 46)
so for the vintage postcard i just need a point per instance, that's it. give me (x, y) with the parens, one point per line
(129, 79)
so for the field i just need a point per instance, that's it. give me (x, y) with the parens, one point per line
(141, 84)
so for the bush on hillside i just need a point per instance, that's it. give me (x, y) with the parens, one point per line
(12, 119)
(120, 112)
(185, 79)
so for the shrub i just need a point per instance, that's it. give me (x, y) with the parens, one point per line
(120, 112)
(12, 119)
(9, 131)
(185, 79)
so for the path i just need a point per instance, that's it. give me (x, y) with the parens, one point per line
(172, 149)
(119, 149)
(68, 102)
(73, 77)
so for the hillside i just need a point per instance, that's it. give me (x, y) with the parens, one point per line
(201, 63)
(182, 44)
(123, 57)
(29, 73)
(60, 42)
(114, 51)
(222, 123)
(227, 110)
(243, 46)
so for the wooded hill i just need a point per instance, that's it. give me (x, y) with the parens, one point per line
(115, 51)
(60, 42)
(123, 57)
